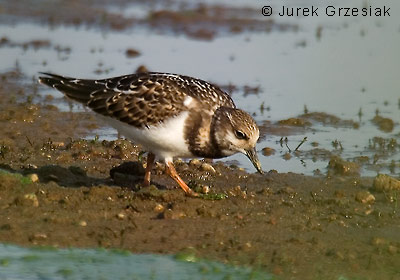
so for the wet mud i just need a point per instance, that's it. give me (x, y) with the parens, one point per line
(59, 189)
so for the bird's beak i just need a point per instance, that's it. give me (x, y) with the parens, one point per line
(252, 155)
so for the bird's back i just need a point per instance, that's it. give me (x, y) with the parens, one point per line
(142, 99)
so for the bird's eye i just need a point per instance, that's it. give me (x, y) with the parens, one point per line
(240, 135)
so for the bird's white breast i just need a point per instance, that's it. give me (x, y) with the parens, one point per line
(166, 140)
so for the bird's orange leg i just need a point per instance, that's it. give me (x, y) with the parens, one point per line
(150, 162)
(170, 169)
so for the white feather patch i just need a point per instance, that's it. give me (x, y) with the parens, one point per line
(166, 140)
(188, 100)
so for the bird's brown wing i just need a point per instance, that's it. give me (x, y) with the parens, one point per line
(143, 99)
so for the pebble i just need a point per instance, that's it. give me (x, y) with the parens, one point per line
(365, 197)
(121, 216)
(40, 236)
(32, 166)
(33, 198)
(208, 167)
(83, 223)
(34, 177)
(384, 183)
(195, 162)
(205, 189)
(368, 211)
(158, 208)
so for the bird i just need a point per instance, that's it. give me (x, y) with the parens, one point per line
(170, 115)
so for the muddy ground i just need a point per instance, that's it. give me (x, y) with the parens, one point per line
(56, 190)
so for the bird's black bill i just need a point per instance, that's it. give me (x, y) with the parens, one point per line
(252, 155)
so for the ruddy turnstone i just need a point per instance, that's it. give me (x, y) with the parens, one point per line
(169, 115)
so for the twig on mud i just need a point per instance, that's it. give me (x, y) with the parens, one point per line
(301, 143)
(29, 141)
(281, 142)
(286, 143)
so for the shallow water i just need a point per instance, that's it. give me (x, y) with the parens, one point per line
(352, 65)
(50, 263)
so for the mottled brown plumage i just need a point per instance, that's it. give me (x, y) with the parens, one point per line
(142, 99)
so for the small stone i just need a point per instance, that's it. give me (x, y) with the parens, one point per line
(32, 198)
(34, 177)
(40, 236)
(205, 189)
(385, 183)
(158, 208)
(32, 166)
(207, 167)
(121, 216)
(83, 223)
(195, 162)
(365, 197)
(368, 211)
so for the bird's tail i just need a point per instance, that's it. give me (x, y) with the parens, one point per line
(76, 89)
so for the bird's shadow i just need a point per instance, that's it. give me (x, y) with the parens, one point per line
(128, 175)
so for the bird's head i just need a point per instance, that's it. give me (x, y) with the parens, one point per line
(235, 131)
